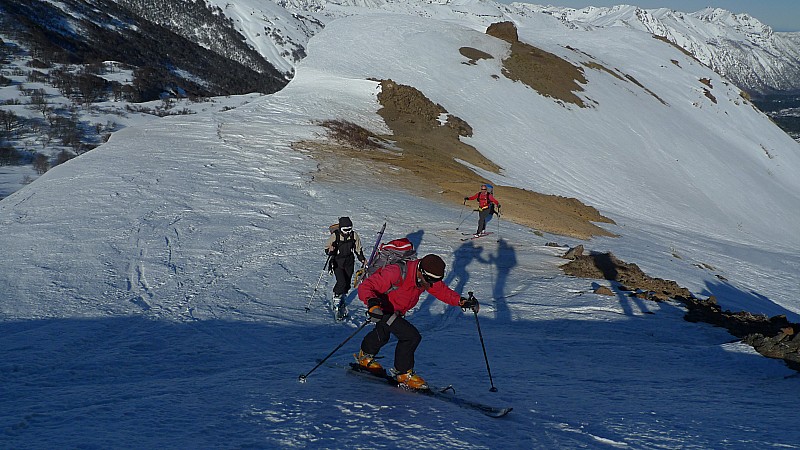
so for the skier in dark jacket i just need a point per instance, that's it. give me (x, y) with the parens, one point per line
(344, 246)
(390, 294)
(485, 209)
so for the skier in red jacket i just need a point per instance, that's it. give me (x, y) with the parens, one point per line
(485, 201)
(389, 294)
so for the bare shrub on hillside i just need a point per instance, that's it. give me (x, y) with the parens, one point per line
(348, 133)
(9, 156)
(62, 157)
(40, 163)
(8, 121)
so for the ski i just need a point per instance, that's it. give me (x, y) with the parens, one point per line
(360, 272)
(446, 394)
(471, 237)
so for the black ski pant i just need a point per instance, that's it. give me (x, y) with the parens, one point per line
(482, 215)
(343, 273)
(408, 339)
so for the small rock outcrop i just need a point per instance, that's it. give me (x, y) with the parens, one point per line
(773, 337)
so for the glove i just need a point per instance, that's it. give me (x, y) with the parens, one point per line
(469, 303)
(466, 198)
(374, 313)
(329, 266)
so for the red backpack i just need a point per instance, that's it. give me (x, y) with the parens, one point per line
(398, 251)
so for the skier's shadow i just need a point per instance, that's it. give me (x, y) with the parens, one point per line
(463, 257)
(416, 238)
(457, 274)
(504, 261)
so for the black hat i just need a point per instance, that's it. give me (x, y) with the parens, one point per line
(432, 265)
(345, 222)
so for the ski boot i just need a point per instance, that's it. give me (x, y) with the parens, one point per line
(409, 380)
(340, 308)
(367, 361)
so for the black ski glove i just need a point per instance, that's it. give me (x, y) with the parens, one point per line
(374, 313)
(334, 248)
(469, 303)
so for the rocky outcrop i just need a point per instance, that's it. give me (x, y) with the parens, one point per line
(773, 337)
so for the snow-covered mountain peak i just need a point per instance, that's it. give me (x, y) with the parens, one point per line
(738, 46)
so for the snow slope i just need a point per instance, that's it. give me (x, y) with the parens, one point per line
(154, 289)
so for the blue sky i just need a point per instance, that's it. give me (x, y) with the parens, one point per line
(781, 15)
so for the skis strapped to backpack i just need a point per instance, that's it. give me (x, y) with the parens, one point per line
(361, 273)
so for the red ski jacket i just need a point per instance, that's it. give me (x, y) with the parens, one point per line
(403, 294)
(483, 200)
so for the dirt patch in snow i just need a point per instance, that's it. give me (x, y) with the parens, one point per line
(548, 74)
(422, 156)
(474, 55)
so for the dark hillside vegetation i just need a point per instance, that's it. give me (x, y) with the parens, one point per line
(90, 32)
(73, 72)
(783, 109)
(204, 24)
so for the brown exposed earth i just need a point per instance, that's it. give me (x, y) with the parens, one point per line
(422, 152)
(422, 156)
(545, 72)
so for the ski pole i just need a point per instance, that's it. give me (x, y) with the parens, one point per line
(465, 218)
(498, 224)
(313, 294)
(303, 376)
(461, 213)
(492, 389)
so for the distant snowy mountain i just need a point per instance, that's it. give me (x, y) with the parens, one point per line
(737, 46)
